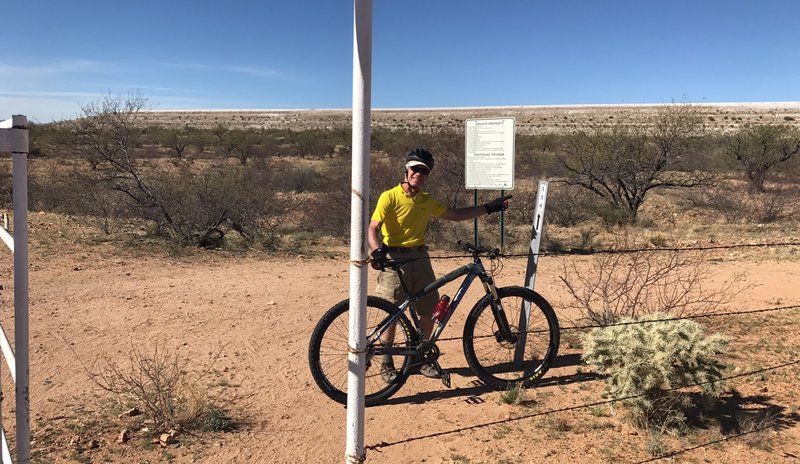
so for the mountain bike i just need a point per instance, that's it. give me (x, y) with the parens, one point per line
(510, 337)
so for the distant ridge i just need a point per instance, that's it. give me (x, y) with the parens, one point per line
(767, 105)
(531, 120)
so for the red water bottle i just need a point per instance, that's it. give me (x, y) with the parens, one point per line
(440, 309)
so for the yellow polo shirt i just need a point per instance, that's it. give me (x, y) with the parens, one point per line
(405, 218)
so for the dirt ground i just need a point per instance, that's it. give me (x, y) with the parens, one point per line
(257, 312)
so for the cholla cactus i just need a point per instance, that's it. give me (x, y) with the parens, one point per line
(650, 361)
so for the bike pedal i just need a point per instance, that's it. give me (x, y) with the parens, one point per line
(446, 379)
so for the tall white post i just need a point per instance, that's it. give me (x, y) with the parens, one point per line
(14, 139)
(359, 204)
(20, 173)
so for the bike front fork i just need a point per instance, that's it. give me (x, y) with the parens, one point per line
(504, 331)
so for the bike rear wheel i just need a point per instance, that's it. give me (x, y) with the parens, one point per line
(328, 352)
(492, 354)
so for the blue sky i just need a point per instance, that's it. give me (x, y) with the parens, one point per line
(426, 53)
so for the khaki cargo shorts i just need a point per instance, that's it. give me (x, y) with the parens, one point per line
(416, 275)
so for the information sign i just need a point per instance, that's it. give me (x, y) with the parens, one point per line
(489, 163)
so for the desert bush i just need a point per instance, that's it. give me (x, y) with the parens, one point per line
(319, 143)
(568, 205)
(204, 203)
(629, 285)
(648, 363)
(70, 189)
(294, 178)
(772, 205)
(48, 140)
(241, 144)
(192, 205)
(756, 427)
(758, 149)
(729, 202)
(396, 143)
(536, 156)
(170, 392)
(330, 213)
(654, 445)
(176, 139)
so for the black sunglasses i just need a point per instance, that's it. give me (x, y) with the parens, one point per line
(419, 169)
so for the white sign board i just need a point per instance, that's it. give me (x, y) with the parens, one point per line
(489, 154)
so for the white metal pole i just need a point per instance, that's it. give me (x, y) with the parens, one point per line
(359, 202)
(20, 205)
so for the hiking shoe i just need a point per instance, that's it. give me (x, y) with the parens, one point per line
(428, 370)
(388, 372)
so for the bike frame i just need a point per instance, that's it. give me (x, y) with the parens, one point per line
(470, 271)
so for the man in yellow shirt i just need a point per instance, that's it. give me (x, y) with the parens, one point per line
(401, 217)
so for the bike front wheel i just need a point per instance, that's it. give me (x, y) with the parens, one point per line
(328, 352)
(505, 358)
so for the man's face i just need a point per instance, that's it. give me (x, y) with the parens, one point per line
(416, 175)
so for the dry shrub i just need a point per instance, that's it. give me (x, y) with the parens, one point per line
(328, 212)
(721, 199)
(737, 204)
(773, 204)
(187, 203)
(757, 428)
(568, 205)
(202, 204)
(632, 284)
(296, 178)
(171, 394)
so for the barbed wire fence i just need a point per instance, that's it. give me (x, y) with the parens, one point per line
(586, 252)
(576, 407)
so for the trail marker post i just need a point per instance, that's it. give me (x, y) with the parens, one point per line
(530, 271)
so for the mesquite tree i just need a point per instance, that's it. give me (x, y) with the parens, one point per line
(624, 162)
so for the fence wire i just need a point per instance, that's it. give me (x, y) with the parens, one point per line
(614, 251)
(647, 321)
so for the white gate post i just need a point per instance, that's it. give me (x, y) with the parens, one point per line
(530, 272)
(359, 203)
(14, 139)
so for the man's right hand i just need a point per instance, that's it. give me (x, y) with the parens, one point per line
(497, 205)
(378, 261)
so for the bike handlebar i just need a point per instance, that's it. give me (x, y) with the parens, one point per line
(477, 250)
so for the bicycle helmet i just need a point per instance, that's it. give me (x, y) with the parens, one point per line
(419, 156)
